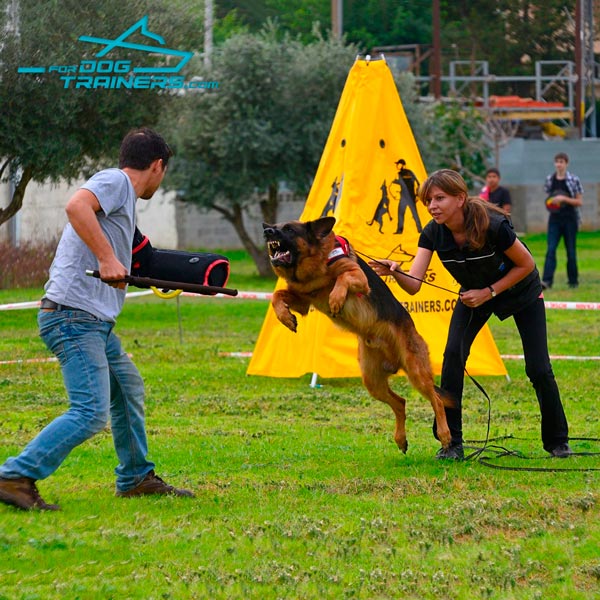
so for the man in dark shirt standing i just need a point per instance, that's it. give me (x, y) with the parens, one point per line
(494, 192)
(565, 197)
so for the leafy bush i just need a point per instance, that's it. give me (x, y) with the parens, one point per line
(25, 265)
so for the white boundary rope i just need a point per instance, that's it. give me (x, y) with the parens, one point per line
(240, 295)
(573, 305)
(45, 359)
(504, 356)
(36, 303)
(552, 357)
(249, 355)
(19, 361)
(268, 296)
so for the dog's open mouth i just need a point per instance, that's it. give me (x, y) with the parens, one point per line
(280, 256)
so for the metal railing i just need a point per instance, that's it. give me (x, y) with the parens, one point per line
(480, 74)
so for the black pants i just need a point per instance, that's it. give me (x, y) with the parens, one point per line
(531, 323)
(566, 228)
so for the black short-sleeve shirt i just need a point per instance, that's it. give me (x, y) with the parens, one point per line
(478, 269)
(500, 196)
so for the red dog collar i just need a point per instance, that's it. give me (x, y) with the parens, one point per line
(341, 249)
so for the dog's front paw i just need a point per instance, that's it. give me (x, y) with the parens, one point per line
(290, 322)
(285, 316)
(336, 302)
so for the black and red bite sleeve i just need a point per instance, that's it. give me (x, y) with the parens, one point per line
(203, 268)
(141, 252)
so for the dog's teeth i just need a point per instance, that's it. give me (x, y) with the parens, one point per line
(282, 256)
(274, 247)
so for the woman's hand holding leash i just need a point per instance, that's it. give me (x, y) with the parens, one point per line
(385, 267)
(475, 298)
(472, 298)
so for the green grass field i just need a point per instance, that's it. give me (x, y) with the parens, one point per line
(301, 492)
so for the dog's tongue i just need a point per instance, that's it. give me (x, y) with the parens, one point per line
(282, 257)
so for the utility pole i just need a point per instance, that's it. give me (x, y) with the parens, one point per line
(337, 18)
(579, 67)
(12, 27)
(436, 57)
(589, 70)
(208, 33)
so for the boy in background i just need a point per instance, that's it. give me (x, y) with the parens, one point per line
(493, 192)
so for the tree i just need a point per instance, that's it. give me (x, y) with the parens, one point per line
(367, 23)
(455, 138)
(371, 23)
(510, 34)
(51, 133)
(266, 124)
(449, 135)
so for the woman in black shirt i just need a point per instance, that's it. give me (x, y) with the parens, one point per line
(497, 274)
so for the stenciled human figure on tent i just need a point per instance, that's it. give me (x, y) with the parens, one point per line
(383, 208)
(409, 184)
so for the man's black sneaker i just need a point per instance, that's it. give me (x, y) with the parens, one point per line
(452, 452)
(561, 451)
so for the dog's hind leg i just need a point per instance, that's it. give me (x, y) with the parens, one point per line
(427, 389)
(418, 369)
(376, 379)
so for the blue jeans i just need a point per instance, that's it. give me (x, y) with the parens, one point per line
(565, 227)
(100, 380)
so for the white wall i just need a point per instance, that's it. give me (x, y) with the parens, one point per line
(43, 214)
(174, 225)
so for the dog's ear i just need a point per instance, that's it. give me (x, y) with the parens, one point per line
(321, 227)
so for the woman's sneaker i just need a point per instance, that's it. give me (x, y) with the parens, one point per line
(561, 451)
(452, 452)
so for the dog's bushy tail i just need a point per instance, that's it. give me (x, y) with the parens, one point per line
(447, 400)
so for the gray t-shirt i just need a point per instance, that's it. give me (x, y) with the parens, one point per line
(68, 284)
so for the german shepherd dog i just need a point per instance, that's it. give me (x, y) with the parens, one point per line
(323, 271)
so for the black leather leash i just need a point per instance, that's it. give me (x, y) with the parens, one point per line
(439, 287)
(478, 453)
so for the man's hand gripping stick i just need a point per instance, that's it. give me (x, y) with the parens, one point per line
(148, 282)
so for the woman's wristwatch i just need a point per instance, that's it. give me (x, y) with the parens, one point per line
(492, 291)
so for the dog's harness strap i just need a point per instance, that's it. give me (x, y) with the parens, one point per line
(340, 250)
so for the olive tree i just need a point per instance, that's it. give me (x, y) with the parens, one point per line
(267, 123)
(49, 132)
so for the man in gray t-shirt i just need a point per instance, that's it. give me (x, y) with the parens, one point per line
(68, 284)
(76, 322)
